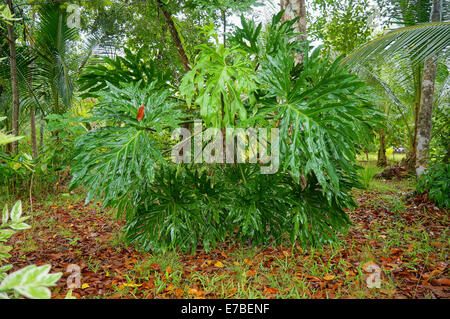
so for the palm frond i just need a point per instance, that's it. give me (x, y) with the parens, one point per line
(416, 43)
(386, 90)
(442, 94)
(53, 37)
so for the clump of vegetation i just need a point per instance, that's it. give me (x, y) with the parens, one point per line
(367, 174)
(99, 90)
(436, 182)
(168, 206)
(30, 282)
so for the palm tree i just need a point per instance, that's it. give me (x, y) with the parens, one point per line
(426, 101)
(52, 40)
(392, 101)
(43, 77)
(14, 80)
(411, 45)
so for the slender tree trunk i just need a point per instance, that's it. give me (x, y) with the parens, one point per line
(410, 161)
(14, 81)
(41, 133)
(426, 102)
(382, 160)
(175, 35)
(413, 148)
(296, 9)
(32, 110)
(33, 132)
(417, 73)
(224, 21)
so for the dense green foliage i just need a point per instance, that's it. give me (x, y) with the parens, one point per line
(106, 95)
(437, 183)
(32, 281)
(203, 206)
(342, 25)
(322, 113)
(116, 159)
(130, 68)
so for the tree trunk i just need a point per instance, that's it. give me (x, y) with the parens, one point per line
(175, 35)
(14, 81)
(413, 148)
(410, 161)
(426, 102)
(296, 9)
(41, 133)
(32, 110)
(33, 132)
(224, 21)
(382, 160)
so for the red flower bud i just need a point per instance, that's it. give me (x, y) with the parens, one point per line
(141, 113)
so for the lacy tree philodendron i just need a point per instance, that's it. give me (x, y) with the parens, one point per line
(322, 114)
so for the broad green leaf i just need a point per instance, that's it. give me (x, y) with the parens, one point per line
(5, 214)
(31, 282)
(16, 211)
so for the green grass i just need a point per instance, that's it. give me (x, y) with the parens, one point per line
(367, 175)
(392, 159)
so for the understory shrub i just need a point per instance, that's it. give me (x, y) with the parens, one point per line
(436, 181)
(53, 162)
(203, 206)
(32, 281)
(323, 116)
(367, 175)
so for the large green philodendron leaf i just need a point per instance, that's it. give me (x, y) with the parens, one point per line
(224, 78)
(174, 214)
(118, 158)
(322, 113)
(277, 36)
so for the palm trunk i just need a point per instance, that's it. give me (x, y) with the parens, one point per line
(175, 35)
(14, 81)
(33, 132)
(426, 102)
(296, 9)
(32, 110)
(382, 160)
(41, 133)
(410, 160)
